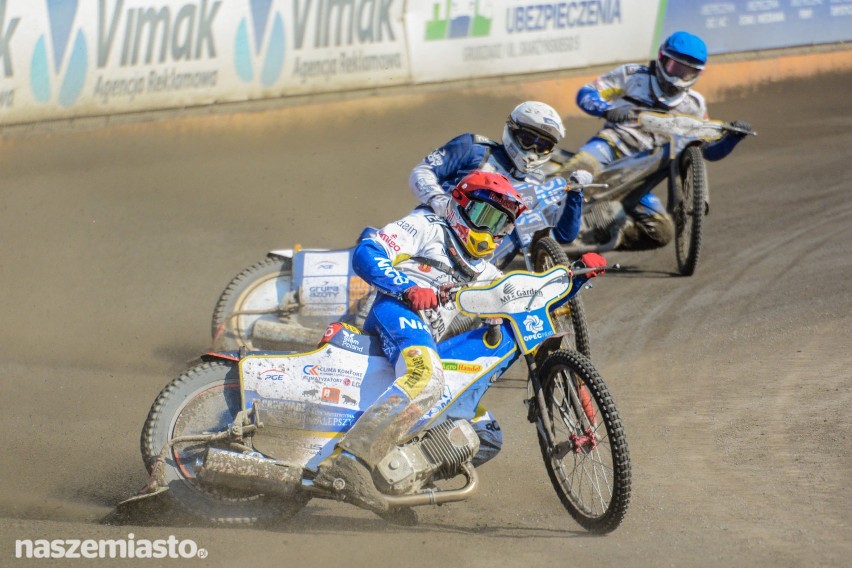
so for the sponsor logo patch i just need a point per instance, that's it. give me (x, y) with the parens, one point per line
(419, 372)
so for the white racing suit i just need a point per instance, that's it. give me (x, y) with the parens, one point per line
(416, 250)
(636, 85)
(434, 178)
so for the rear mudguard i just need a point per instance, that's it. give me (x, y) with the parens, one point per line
(232, 356)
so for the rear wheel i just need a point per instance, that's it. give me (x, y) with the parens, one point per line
(688, 213)
(588, 463)
(570, 317)
(204, 400)
(254, 294)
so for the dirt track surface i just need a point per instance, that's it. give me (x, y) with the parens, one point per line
(733, 385)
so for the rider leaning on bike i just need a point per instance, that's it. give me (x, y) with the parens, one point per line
(531, 132)
(664, 84)
(413, 262)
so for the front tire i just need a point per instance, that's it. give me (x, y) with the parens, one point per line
(570, 317)
(589, 465)
(689, 209)
(203, 400)
(254, 294)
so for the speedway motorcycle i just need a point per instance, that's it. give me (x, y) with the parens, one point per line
(678, 161)
(238, 437)
(287, 299)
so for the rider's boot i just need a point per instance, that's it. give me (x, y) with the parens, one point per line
(650, 226)
(349, 478)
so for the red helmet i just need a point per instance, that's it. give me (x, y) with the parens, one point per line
(484, 209)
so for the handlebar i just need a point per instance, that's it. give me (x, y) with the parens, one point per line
(584, 271)
(727, 126)
(577, 186)
(454, 290)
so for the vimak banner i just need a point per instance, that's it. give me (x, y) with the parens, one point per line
(747, 25)
(68, 58)
(460, 39)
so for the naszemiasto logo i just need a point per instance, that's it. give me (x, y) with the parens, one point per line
(459, 18)
(260, 41)
(61, 56)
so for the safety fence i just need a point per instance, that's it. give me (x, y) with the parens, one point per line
(71, 58)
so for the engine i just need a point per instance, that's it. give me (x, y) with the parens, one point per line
(437, 454)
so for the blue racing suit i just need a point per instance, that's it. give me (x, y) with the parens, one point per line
(434, 178)
(414, 251)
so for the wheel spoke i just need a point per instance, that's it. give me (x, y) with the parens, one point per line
(590, 479)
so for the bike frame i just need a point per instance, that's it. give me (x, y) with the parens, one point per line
(302, 395)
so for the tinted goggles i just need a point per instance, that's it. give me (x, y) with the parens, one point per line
(486, 217)
(529, 139)
(675, 68)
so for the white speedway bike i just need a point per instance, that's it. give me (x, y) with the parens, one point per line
(238, 437)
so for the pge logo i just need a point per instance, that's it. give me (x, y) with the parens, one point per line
(249, 44)
(58, 67)
(458, 19)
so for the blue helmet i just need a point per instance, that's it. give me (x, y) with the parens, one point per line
(680, 61)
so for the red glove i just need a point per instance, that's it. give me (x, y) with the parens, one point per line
(421, 298)
(593, 260)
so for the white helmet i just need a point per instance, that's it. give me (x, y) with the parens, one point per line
(532, 131)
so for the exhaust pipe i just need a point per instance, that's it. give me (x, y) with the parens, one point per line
(430, 497)
(249, 473)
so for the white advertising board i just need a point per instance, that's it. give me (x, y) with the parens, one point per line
(460, 39)
(68, 58)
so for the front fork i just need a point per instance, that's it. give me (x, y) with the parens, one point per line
(536, 404)
(578, 442)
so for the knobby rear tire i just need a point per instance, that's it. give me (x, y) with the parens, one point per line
(690, 209)
(204, 399)
(592, 482)
(259, 287)
(571, 316)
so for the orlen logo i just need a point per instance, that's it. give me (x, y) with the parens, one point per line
(458, 19)
(260, 37)
(59, 63)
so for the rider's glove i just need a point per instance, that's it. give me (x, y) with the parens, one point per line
(620, 114)
(593, 260)
(578, 179)
(420, 298)
(742, 125)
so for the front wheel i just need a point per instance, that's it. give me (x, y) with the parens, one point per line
(584, 446)
(691, 190)
(570, 317)
(204, 400)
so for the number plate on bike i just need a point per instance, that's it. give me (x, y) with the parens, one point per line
(522, 297)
